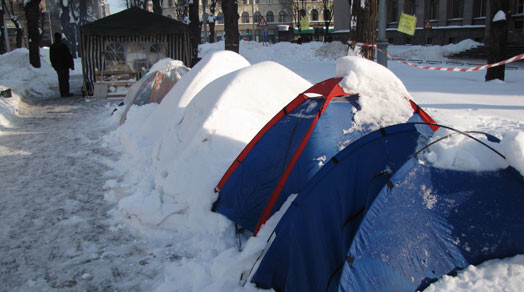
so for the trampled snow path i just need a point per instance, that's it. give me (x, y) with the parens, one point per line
(56, 233)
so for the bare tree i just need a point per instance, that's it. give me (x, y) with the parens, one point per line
(230, 10)
(194, 29)
(497, 36)
(364, 14)
(182, 10)
(157, 6)
(69, 28)
(3, 37)
(327, 7)
(298, 10)
(211, 20)
(32, 14)
(9, 8)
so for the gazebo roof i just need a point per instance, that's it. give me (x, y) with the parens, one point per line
(133, 21)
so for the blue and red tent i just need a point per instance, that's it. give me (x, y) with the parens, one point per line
(288, 151)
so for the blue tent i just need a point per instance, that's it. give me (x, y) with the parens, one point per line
(316, 231)
(288, 151)
(429, 222)
(376, 219)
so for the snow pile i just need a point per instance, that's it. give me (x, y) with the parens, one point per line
(8, 108)
(490, 276)
(431, 53)
(499, 16)
(513, 148)
(463, 153)
(16, 73)
(256, 52)
(459, 152)
(382, 96)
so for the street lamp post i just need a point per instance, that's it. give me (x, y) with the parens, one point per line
(382, 42)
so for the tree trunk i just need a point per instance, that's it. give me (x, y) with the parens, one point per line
(328, 15)
(3, 38)
(212, 8)
(211, 32)
(194, 29)
(14, 19)
(157, 7)
(32, 14)
(366, 29)
(497, 36)
(230, 9)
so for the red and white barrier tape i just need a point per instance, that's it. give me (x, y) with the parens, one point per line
(454, 69)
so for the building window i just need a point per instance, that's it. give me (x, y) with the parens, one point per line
(455, 8)
(257, 1)
(115, 52)
(281, 16)
(170, 3)
(520, 6)
(245, 17)
(432, 10)
(302, 13)
(410, 7)
(245, 2)
(392, 11)
(220, 18)
(270, 17)
(269, 1)
(314, 15)
(479, 8)
(256, 18)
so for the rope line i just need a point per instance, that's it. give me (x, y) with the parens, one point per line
(451, 69)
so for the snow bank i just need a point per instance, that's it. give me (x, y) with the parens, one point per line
(490, 276)
(383, 97)
(283, 51)
(8, 109)
(16, 73)
(431, 53)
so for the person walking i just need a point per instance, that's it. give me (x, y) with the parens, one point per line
(62, 61)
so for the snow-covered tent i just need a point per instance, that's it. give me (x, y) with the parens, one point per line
(153, 87)
(289, 150)
(131, 41)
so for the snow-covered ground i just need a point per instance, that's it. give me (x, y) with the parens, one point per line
(87, 205)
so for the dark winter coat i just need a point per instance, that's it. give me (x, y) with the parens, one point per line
(60, 56)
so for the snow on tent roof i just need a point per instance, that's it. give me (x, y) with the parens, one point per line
(429, 222)
(133, 21)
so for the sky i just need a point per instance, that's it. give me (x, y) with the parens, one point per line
(116, 5)
(152, 178)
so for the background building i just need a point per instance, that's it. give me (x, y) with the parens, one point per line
(441, 22)
(278, 15)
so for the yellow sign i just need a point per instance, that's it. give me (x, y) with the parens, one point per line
(304, 23)
(407, 24)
